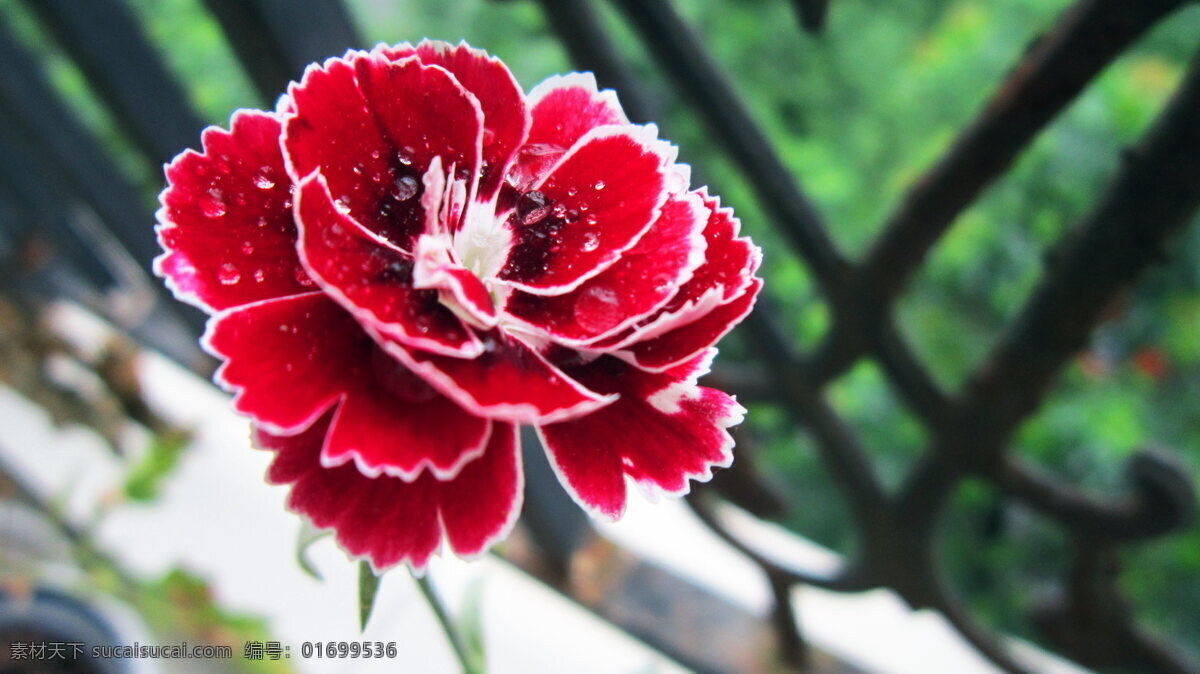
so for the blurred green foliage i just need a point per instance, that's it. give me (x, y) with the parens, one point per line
(857, 114)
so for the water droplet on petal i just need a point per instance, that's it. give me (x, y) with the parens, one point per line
(260, 275)
(597, 309)
(405, 188)
(571, 191)
(599, 185)
(263, 180)
(247, 248)
(343, 203)
(213, 204)
(591, 241)
(591, 219)
(532, 207)
(228, 274)
(405, 156)
(489, 137)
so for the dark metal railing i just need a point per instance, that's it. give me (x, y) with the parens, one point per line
(57, 178)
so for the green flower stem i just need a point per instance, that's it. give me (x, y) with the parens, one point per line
(468, 663)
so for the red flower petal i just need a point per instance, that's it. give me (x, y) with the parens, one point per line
(286, 359)
(640, 282)
(226, 219)
(373, 280)
(389, 521)
(729, 261)
(391, 422)
(509, 382)
(505, 117)
(372, 127)
(565, 107)
(596, 203)
(663, 431)
(683, 343)
(289, 360)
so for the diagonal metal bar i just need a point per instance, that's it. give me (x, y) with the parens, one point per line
(681, 53)
(105, 40)
(77, 165)
(1086, 38)
(1153, 196)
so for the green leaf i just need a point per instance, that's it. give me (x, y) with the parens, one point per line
(144, 480)
(368, 587)
(307, 536)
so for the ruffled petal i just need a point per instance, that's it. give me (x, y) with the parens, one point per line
(662, 432)
(389, 521)
(595, 204)
(678, 345)
(565, 107)
(372, 126)
(730, 261)
(373, 280)
(390, 422)
(509, 382)
(505, 117)
(226, 219)
(640, 282)
(287, 360)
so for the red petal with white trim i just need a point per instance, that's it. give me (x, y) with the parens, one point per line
(565, 107)
(391, 422)
(289, 360)
(389, 521)
(505, 118)
(509, 382)
(372, 126)
(662, 432)
(596, 203)
(286, 360)
(373, 280)
(226, 219)
(729, 261)
(639, 283)
(682, 343)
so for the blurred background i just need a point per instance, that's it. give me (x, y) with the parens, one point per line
(856, 112)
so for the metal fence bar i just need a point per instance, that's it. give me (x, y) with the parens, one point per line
(104, 39)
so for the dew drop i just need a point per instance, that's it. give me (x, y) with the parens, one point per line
(591, 241)
(405, 156)
(599, 185)
(261, 222)
(358, 169)
(260, 275)
(571, 191)
(591, 219)
(541, 149)
(263, 180)
(247, 248)
(405, 188)
(228, 274)
(213, 204)
(343, 203)
(597, 309)
(532, 207)
(489, 137)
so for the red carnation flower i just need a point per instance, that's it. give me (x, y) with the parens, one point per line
(410, 257)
